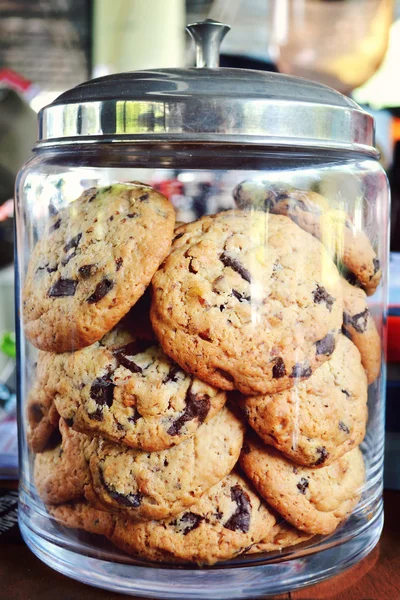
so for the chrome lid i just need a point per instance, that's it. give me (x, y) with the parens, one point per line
(207, 104)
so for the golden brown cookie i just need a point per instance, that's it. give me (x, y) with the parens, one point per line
(80, 515)
(247, 300)
(281, 536)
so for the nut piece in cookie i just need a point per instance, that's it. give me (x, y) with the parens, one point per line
(157, 485)
(226, 520)
(314, 500)
(93, 263)
(359, 325)
(329, 223)
(61, 473)
(320, 419)
(247, 300)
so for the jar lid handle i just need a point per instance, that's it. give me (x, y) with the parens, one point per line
(207, 36)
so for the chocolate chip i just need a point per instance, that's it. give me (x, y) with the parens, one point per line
(346, 393)
(301, 370)
(359, 322)
(279, 369)
(233, 263)
(132, 215)
(240, 520)
(53, 440)
(192, 268)
(323, 455)
(74, 243)
(321, 296)
(246, 449)
(218, 514)
(222, 307)
(65, 261)
(326, 346)
(69, 422)
(303, 485)
(130, 500)
(122, 354)
(55, 226)
(172, 374)
(377, 266)
(144, 198)
(52, 269)
(102, 392)
(53, 210)
(86, 271)
(343, 427)
(187, 522)
(63, 288)
(119, 262)
(241, 297)
(166, 463)
(135, 416)
(101, 290)
(178, 236)
(197, 407)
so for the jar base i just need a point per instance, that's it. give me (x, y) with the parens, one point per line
(221, 583)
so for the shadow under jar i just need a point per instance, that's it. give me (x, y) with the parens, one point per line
(201, 282)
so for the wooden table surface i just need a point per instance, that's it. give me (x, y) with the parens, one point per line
(377, 577)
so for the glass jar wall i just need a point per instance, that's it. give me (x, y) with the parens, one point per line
(212, 395)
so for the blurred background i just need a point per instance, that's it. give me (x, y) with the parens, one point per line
(48, 46)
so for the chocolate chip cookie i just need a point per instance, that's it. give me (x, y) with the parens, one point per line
(80, 515)
(93, 263)
(247, 301)
(312, 500)
(61, 473)
(282, 535)
(320, 419)
(328, 223)
(42, 417)
(226, 520)
(359, 325)
(128, 391)
(157, 485)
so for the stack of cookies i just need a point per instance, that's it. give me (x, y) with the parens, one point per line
(219, 410)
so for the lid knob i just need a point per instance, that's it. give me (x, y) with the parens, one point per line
(208, 36)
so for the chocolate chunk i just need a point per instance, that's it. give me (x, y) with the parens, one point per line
(166, 463)
(52, 269)
(246, 449)
(132, 215)
(55, 226)
(119, 262)
(74, 243)
(144, 198)
(233, 263)
(197, 407)
(65, 261)
(178, 236)
(241, 297)
(377, 266)
(323, 455)
(63, 288)
(346, 393)
(222, 307)
(301, 370)
(122, 358)
(321, 296)
(101, 290)
(54, 440)
(218, 514)
(86, 271)
(172, 374)
(343, 427)
(326, 346)
(135, 416)
(240, 520)
(130, 500)
(359, 322)
(187, 522)
(191, 267)
(53, 210)
(303, 485)
(102, 392)
(69, 422)
(279, 369)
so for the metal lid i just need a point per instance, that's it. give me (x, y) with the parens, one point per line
(207, 104)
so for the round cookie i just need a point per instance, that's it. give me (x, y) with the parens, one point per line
(360, 326)
(328, 223)
(93, 263)
(157, 485)
(80, 515)
(42, 419)
(226, 520)
(61, 474)
(312, 500)
(320, 419)
(247, 301)
(282, 535)
(128, 391)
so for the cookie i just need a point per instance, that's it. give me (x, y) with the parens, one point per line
(128, 391)
(226, 520)
(93, 263)
(320, 419)
(328, 223)
(247, 301)
(282, 535)
(61, 474)
(157, 485)
(42, 418)
(312, 500)
(80, 515)
(360, 327)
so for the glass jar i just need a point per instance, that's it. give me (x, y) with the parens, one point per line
(201, 282)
